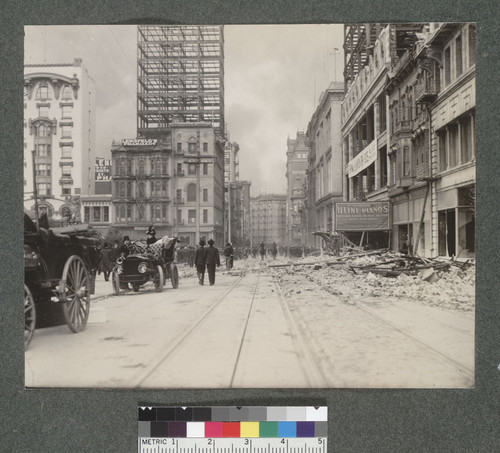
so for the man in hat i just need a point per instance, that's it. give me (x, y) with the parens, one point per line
(200, 257)
(229, 254)
(125, 248)
(212, 260)
(151, 235)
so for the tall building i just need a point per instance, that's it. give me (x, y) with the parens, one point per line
(325, 169)
(239, 213)
(172, 175)
(296, 166)
(268, 219)
(408, 129)
(180, 77)
(59, 137)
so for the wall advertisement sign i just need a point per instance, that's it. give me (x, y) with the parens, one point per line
(103, 169)
(139, 141)
(363, 216)
(363, 160)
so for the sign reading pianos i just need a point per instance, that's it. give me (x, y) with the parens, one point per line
(362, 216)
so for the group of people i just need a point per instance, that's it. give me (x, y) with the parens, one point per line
(274, 250)
(206, 258)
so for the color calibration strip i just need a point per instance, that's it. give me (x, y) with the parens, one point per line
(250, 429)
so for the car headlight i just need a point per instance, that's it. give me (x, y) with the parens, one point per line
(119, 269)
(142, 268)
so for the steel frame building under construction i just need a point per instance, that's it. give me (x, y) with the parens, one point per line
(180, 77)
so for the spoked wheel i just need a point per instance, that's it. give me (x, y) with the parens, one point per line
(29, 316)
(74, 291)
(174, 276)
(159, 279)
(115, 280)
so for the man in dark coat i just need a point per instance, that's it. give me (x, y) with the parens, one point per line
(200, 257)
(229, 254)
(212, 260)
(125, 248)
(274, 250)
(262, 251)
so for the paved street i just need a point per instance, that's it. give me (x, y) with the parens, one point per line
(242, 332)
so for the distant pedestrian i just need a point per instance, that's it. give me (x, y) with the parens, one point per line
(200, 258)
(212, 260)
(151, 235)
(229, 254)
(262, 251)
(274, 250)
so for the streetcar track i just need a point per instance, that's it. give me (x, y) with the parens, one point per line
(187, 334)
(307, 358)
(444, 357)
(244, 332)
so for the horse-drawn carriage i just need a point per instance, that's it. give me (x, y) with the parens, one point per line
(144, 263)
(59, 266)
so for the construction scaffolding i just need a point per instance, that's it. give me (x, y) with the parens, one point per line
(180, 77)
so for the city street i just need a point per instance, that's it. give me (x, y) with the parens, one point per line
(251, 331)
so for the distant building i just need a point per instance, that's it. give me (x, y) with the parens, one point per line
(325, 168)
(268, 219)
(59, 129)
(296, 167)
(239, 210)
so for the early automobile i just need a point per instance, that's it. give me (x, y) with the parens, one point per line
(59, 266)
(146, 263)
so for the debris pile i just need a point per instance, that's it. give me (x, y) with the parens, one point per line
(381, 274)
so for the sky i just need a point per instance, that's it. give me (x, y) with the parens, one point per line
(274, 76)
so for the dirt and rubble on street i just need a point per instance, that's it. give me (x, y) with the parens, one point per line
(441, 283)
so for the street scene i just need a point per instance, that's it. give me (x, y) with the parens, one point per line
(199, 213)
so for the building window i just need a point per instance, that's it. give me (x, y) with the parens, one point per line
(142, 190)
(43, 111)
(106, 214)
(192, 146)
(96, 214)
(41, 130)
(141, 168)
(66, 151)
(406, 161)
(179, 169)
(466, 140)
(43, 93)
(472, 45)
(129, 189)
(44, 189)
(66, 93)
(191, 192)
(205, 216)
(86, 214)
(66, 111)
(129, 213)
(447, 66)
(205, 147)
(179, 148)
(458, 55)
(191, 169)
(178, 194)
(66, 171)
(205, 169)
(205, 194)
(66, 131)
(42, 150)
(179, 215)
(43, 169)
(192, 216)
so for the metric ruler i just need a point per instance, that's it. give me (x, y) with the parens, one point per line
(235, 429)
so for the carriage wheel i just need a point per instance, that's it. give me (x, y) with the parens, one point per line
(159, 279)
(174, 276)
(75, 292)
(29, 316)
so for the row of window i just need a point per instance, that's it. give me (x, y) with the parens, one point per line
(158, 189)
(43, 93)
(43, 130)
(192, 147)
(46, 169)
(158, 213)
(96, 214)
(44, 111)
(158, 167)
(45, 150)
(45, 189)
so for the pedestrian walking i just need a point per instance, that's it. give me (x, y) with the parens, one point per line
(262, 251)
(200, 257)
(229, 254)
(274, 250)
(212, 260)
